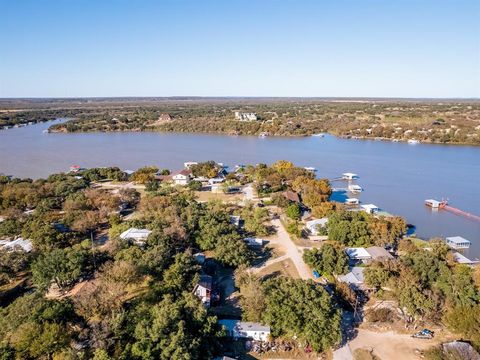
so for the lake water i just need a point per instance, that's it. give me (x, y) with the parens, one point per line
(397, 177)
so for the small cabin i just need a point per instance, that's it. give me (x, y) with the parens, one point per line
(457, 242)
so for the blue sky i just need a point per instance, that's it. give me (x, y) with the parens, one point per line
(344, 48)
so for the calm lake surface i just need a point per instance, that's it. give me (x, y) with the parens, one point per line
(397, 177)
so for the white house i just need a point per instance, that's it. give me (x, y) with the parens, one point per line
(182, 177)
(358, 253)
(313, 225)
(19, 243)
(203, 290)
(245, 116)
(138, 236)
(370, 208)
(245, 330)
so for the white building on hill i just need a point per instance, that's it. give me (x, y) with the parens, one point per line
(138, 236)
(245, 330)
(241, 116)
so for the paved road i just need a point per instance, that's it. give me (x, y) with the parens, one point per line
(292, 251)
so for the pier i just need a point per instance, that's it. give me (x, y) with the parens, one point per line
(439, 205)
(461, 212)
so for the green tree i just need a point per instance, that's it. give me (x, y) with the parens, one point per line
(465, 320)
(175, 329)
(287, 303)
(180, 275)
(60, 266)
(328, 260)
(293, 211)
(252, 297)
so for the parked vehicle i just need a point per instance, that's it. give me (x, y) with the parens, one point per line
(424, 334)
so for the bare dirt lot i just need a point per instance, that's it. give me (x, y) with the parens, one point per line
(387, 345)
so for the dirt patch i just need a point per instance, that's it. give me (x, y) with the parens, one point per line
(204, 196)
(285, 267)
(390, 345)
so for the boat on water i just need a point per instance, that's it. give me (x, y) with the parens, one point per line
(262, 135)
(413, 142)
(318, 135)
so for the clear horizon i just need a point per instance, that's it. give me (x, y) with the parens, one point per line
(302, 49)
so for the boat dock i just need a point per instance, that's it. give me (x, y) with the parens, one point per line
(443, 205)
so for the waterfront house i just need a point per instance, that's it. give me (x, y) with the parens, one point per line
(19, 243)
(314, 225)
(457, 242)
(370, 208)
(137, 236)
(358, 253)
(203, 290)
(245, 330)
(182, 177)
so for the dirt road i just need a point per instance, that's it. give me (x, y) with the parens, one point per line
(291, 251)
